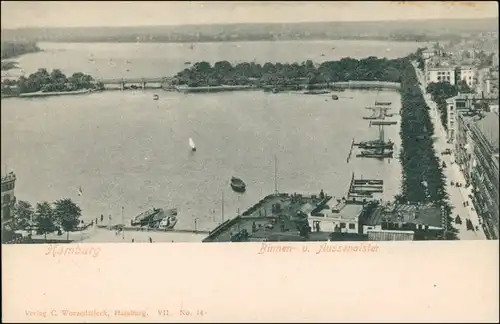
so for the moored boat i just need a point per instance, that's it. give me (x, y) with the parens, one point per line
(335, 97)
(237, 184)
(375, 144)
(375, 154)
(145, 217)
(170, 219)
(383, 103)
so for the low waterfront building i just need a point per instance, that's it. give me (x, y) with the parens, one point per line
(394, 218)
(8, 201)
(343, 218)
(278, 217)
(477, 154)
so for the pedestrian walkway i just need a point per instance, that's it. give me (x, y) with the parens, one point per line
(457, 195)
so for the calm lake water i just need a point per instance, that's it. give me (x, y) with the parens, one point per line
(111, 60)
(124, 149)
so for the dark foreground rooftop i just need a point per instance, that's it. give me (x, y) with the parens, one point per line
(280, 217)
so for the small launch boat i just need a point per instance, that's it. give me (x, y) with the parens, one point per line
(238, 185)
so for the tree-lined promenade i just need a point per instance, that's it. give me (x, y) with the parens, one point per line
(46, 218)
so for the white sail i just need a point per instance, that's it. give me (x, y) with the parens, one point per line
(191, 143)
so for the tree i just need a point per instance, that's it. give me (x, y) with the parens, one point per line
(45, 219)
(23, 214)
(67, 214)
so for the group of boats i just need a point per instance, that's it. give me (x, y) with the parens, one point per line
(156, 218)
(378, 148)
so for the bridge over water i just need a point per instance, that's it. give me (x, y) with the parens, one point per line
(152, 82)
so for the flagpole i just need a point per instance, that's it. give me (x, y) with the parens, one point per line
(123, 222)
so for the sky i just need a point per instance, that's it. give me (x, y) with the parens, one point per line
(19, 14)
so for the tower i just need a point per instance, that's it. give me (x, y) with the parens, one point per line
(8, 201)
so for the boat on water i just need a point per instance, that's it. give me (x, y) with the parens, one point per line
(237, 184)
(335, 97)
(375, 154)
(383, 122)
(383, 103)
(191, 144)
(145, 218)
(156, 97)
(170, 219)
(375, 144)
(316, 92)
(371, 117)
(187, 63)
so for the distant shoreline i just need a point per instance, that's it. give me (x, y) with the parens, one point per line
(50, 94)
(195, 90)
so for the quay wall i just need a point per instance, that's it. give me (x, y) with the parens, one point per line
(366, 85)
(132, 228)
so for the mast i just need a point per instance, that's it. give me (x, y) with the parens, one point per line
(222, 212)
(275, 175)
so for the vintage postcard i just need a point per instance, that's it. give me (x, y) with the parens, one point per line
(309, 139)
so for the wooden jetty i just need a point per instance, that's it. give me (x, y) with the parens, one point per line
(383, 103)
(365, 188)
(382, 122)
(376, 153)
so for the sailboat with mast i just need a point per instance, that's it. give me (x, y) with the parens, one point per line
(192, 145)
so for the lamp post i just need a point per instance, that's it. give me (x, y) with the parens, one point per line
(195, 224)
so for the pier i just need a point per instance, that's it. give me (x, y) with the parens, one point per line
(365, 188)
(139, 229)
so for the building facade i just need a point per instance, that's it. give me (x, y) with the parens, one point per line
(439, 74)
(467, 74)
(477, 154)
(455, 105)
(387, 235)
(8, 201)
(344, 219)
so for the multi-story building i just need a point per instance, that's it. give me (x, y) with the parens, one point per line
(477, 154)
(8, 201)
(439, 74)
(428, 53)
(462, 102)
(467, 73)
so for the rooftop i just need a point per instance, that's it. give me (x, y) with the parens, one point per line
(9, 177)
(347, 210)
(396, 213)
(489, 128)
(274, 218)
